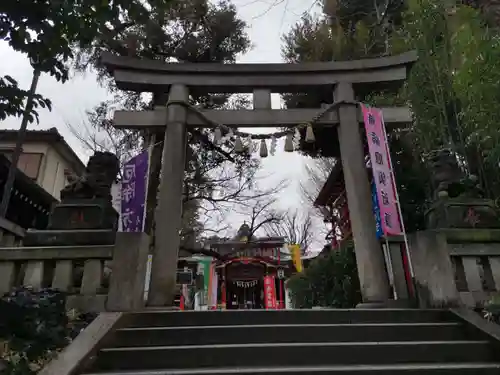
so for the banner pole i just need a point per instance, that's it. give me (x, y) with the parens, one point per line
(279, 280)
(149, 150)
(400, 212)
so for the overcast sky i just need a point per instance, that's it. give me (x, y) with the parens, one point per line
(268, 20)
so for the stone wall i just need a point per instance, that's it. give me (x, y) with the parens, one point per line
(453, 266)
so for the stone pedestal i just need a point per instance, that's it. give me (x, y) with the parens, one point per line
(77, 222)
(464, 213)
(84, 214)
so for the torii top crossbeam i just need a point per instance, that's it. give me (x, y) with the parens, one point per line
(149, 75)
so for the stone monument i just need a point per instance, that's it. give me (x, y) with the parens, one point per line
(458, 199)
(85, 215)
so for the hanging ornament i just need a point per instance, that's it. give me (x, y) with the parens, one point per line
(310, 138)
(238, 145)
(224, 139)
(251, 146)
(217, 135)
(274, 143)
(289, 143)
(263, 149)
(296, 138)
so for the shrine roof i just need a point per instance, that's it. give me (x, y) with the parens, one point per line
(333, 186)
(258, 243)
(26, 185)
(32, 194)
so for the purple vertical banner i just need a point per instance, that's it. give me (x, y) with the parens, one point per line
(133, 193)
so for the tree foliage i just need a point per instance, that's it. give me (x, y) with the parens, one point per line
(34, 327)
(12, 100)
(47, 32)
(328, 281)
(451, 90)
(179, 31)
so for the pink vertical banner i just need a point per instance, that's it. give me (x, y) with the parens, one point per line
(382, 173)
(269, 293)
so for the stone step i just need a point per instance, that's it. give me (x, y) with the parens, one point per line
(288, 333)
(158, 318)
(292, 354)
(409, 369)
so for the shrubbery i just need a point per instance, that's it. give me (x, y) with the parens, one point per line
(34, 326)
(491, 310)
(330, 281)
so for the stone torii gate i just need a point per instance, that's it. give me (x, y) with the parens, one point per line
(179, 80)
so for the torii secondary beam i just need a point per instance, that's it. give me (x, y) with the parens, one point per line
(394, 117)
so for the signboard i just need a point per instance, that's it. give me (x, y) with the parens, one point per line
(133, 193)
(213, 289)
(184, 277)
(280, 273)
(204, 271)
(264, 253)
(269, 293)
(382, 173)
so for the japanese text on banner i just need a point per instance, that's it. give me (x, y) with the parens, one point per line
(382, 174)
(133, 193)
(269, 293)
(376, 211)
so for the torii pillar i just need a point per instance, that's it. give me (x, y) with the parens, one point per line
(374, 283)
(168, 215)
(261, 79)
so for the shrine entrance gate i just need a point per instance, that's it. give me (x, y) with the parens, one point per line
(176, 117)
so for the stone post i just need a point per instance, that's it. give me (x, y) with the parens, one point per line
(369, 255)
(128, 274)
(434, 272)
(169, 210)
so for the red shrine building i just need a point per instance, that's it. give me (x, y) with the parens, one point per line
(251, 272)
(333, 199)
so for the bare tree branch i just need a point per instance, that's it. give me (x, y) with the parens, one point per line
(296, 228)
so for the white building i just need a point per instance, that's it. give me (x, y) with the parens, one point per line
(46, 158)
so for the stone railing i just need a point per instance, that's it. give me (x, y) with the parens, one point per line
(83, 272)
(78, 271)
(451, 266)
(11, 235)
(475, 255)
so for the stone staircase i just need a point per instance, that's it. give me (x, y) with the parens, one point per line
(340, 342)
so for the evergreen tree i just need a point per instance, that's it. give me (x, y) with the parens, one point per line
(451, 90)
(47, 32)
(180, 31)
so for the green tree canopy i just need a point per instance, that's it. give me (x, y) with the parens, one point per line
(451, 90)
(47, 32)
(181, 31)
(329, 281)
